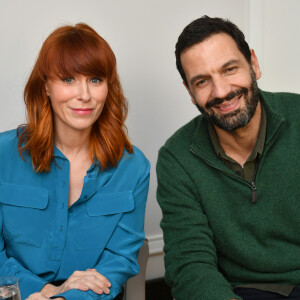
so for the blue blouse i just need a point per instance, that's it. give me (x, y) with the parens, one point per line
(43, 240)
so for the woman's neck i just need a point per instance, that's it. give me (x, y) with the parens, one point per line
(74, 143)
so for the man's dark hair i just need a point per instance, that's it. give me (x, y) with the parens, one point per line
(201, 29)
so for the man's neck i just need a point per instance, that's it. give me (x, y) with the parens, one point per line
(239, 144)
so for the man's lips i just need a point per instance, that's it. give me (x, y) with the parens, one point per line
(229, 105)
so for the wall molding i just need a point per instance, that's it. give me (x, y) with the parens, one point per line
(155, 267)
(156, 244)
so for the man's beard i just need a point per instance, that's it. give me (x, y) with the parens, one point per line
(239, 117)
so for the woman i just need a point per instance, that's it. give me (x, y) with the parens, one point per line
(72, 187)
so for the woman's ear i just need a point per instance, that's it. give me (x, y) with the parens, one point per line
(47, 91)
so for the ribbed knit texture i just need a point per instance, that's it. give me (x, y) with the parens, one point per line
(215, 237)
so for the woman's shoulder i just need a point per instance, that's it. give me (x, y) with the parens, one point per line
(9, 147)
(132, 169)
(9, 134)
(137, 155)
(8, 139)
(136, 159)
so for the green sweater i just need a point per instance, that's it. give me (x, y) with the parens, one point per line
(215, 236)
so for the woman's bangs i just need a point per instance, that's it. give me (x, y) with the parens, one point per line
(75, 55)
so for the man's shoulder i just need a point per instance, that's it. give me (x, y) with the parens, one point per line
(284, 105)
(280, 95)
(283, 100)
(183, 137)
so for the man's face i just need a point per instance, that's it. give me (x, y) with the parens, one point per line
(221, 82)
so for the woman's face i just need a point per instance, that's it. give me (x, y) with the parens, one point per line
(77, 102)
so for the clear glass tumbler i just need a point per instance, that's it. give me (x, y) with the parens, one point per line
(9, 288)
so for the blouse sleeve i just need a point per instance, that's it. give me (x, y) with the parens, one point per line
(119, 260)
(28, 282)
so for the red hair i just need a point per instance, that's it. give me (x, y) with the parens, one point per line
(71, 50)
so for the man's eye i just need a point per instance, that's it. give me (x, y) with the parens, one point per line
(68, 80)
(96, 80)
(231, 69)
(201, 82)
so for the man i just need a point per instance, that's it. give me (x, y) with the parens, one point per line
(228, 180)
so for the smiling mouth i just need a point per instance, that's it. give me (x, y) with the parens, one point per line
(229, 105)
(82, 111)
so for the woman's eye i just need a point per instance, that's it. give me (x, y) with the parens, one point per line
(68, 80)
(96, 80)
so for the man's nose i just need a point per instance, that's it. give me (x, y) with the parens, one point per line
(220, 88)
(83, 91)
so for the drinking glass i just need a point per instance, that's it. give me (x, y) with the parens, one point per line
(9, 288)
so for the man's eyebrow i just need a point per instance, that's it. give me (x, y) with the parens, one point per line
(197, 77)
(201, 76)
(231, 62)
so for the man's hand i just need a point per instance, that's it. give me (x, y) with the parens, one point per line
(80, 280)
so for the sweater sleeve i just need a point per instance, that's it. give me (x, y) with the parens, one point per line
(190, 253)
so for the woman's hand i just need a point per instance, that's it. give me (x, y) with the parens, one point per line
(37, 296)
(40, 296)
(90, 279)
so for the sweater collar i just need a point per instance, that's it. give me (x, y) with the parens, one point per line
(203, 147)
(274, 118)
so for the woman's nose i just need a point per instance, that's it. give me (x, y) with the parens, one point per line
(83, 91)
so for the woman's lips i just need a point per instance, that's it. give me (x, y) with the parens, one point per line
(82, 111)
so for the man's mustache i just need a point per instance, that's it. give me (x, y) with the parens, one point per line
(217, 101)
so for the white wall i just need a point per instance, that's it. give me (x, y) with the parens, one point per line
(143, 35)
(282, 46)
(274, 34)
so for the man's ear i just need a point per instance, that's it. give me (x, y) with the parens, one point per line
(191, 95)
(255, 64)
